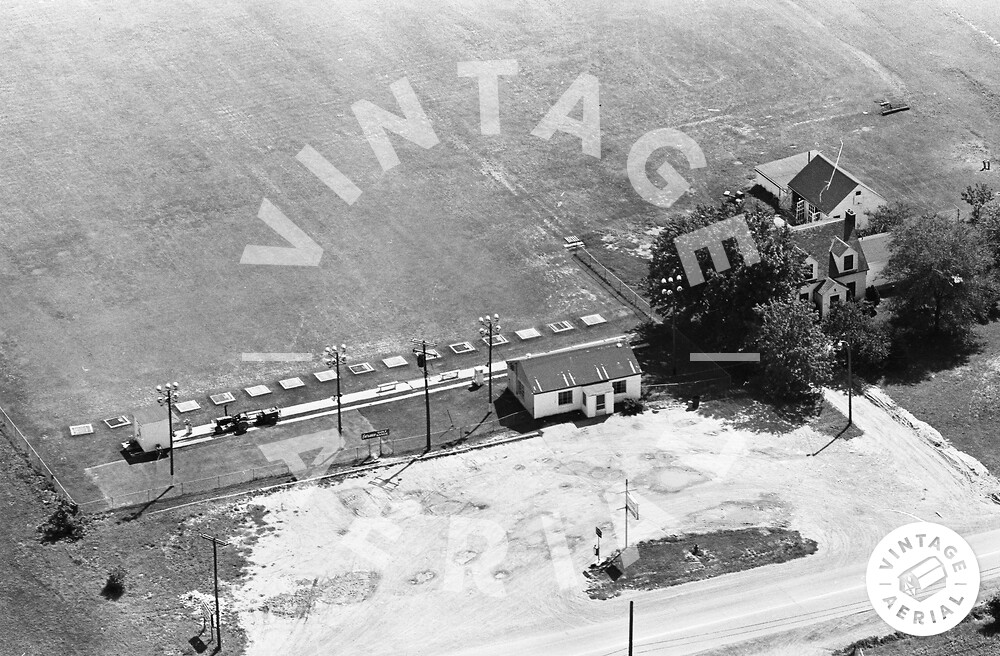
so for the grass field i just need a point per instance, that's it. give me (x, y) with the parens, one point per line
(140, 142)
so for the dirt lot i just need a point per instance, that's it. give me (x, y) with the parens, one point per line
(474, 545)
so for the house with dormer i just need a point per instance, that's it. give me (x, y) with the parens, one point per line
(836, 264)
(822, 191)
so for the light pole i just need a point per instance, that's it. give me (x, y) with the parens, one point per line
(167, 393)
(850, 386)
(422, 362)
(489, 326)
(672, 293)
(332, 357)
(215, 566)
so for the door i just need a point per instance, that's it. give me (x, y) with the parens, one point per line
(600, 403)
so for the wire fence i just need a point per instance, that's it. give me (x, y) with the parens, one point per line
(346, 457)
(615, 284)
(18, 439)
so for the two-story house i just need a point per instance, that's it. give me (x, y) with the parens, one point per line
(836, 265)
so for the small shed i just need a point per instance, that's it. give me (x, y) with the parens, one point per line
(151, 430)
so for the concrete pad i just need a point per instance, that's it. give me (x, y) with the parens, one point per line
(187, 406)
(258, 390)
(291, 383)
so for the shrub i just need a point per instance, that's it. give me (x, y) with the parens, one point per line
(114, 588)
(632, 407)
(993, 608)
(64, 524)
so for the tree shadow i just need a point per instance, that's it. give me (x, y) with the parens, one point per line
(744, 411)
(138, 513)
(913, 361)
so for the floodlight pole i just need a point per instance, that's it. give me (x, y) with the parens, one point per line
(490, 326)
(672, 294)
(850, 382)
(215, 567)
(332, 357)
(166, 398)
(626, 513)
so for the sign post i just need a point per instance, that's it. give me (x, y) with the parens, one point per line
(375, 434)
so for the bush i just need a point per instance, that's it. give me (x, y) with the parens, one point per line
(632, 407)
(64, 524)
(993, 608)
(114, 588)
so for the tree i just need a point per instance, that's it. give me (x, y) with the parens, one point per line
(855, 322)
(721, 310)
(989, 229)
(938, 266)
(796, 356)
(977, 196)
(886, 217)
(64, 524)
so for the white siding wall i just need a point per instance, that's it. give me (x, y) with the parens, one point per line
(547, 403)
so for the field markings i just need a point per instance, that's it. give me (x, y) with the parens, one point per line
(304, 251)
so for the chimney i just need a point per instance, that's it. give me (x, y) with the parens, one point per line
(850, 222)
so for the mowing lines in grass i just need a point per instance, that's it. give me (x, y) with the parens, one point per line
(413, 125)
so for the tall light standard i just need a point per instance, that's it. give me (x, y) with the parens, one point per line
(672, 294)
(215, 566)
(167, 393)
(489, 327)
(850, 386)
(332, 357)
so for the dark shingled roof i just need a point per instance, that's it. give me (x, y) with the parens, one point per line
(810, 183)
(819, 239)
(562, 370)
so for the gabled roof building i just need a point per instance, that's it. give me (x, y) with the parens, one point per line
(591, 379)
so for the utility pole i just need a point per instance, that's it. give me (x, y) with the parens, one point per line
(631, 604)
(422, 362)
(626, 513)
(215, 566)
(167, 393)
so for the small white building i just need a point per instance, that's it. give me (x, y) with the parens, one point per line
(592, 379)
(150, 425)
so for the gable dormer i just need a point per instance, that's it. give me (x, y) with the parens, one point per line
(845, 257)
(810, 268)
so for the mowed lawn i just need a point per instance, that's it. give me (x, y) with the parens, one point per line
(960, 397)
(140, 143)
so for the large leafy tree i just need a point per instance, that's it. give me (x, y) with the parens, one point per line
(939, 266)
(855, 322)
(796, 355)
(886, 217)
(721, 310)
(977, 196)
(989, 230)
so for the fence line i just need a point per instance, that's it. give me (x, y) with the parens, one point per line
(616, 284)
(33, 458)
(354, 455)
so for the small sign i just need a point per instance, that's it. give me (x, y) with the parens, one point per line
(375, 433)
(632, 506)
(598, 529)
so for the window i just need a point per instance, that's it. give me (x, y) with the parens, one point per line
(520, 389)
(804, 296)
(852, 289)
(835, 299)
(848, 262)
(618, 386)
(808, 270)
(600, 401)
(857, 193)
(566, 398)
